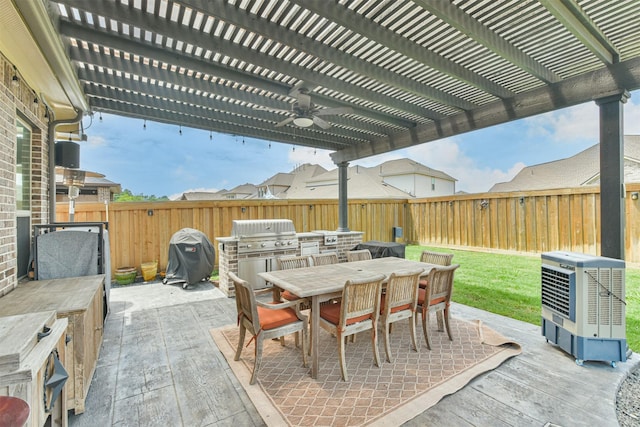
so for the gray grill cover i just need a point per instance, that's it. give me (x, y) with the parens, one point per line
(191, 256)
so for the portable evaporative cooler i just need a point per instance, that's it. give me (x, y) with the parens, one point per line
(583, 305)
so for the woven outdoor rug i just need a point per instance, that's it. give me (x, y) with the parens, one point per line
(285, 393)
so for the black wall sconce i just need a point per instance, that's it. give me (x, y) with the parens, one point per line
(243, 209)
(484, 204)
(149, 212)
(521, 200)
(310, 207)
(450, 203)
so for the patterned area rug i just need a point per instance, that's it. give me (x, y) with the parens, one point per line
(285, 393)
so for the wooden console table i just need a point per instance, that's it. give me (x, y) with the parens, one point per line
(80, 300)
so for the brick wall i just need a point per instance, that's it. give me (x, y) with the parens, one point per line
(17, 100)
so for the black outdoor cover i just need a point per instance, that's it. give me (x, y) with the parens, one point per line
(191, 256)
(382, 249)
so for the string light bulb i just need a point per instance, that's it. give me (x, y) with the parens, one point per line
(210, 136)
(144, 125)
(100, 116)
(180, 131)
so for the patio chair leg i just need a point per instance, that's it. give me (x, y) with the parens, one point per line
(387, 346)
(374, 343)
(305, 342)
(439, 316)
(258, 360)
(425, 327)
(240, 342)
(343, 361)
(412, 329)
(447, 317)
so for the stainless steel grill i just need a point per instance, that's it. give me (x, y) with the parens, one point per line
(266, 235)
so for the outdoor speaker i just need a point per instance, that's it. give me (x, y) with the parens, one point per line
(67, 154)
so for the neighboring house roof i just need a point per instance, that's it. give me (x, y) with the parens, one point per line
(297, 180)
(310, 181)
(201, 195)
(583, 169)
(407, 166)
(280, 179)
(92, 179)
(361, 183)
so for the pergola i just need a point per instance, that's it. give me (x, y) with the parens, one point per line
(357, 77)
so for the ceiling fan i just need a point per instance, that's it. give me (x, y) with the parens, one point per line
(306, 113)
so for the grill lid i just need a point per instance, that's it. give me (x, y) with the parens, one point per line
(266, 228)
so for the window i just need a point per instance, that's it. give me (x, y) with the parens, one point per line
(23, 167)
(23, 197)
(433, 184)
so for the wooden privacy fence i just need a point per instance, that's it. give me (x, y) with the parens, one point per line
(531, 221)
(141, 231)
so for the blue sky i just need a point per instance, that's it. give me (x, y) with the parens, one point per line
(159, 161)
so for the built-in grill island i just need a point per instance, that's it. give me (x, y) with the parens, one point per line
(254, 246)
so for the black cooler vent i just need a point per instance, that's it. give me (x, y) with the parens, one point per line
(558, 291)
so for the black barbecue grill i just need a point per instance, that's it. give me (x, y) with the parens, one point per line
(191, 258)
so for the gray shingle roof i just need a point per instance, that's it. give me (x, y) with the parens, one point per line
(583, 169)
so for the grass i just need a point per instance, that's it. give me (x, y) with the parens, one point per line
(509, 285)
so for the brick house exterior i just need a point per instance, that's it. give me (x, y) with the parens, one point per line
(17, 102)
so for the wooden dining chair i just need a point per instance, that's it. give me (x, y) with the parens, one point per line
(358, 255)
(265, 321)
(436, 297)
(357, 311)
(398, 303)
(288, 263)
(325, 258)
(438, 258)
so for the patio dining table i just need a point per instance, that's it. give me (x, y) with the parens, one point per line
(324, 282)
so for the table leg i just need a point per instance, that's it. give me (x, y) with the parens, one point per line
(315, 322)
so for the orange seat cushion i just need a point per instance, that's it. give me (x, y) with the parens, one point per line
(271, 319)
(331, 313)
(421, 296)
(394, 309)
(289, 296)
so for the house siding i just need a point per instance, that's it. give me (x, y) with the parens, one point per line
(419, 186)
(17, 100)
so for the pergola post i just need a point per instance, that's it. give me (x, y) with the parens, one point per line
(343, 213)
(612, 193)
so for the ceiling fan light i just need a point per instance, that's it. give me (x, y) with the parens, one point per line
(303, 122)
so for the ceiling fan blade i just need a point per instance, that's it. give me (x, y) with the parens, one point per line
(285, 121)
(331, 111)
(321, 123)
(275, 110)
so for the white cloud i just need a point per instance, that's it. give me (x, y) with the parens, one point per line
(304, 155)
(445, 156)
(577, 123)
(632, 117)
(580, 123)
(96, 141)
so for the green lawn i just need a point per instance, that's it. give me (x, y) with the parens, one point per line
(510, 285)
